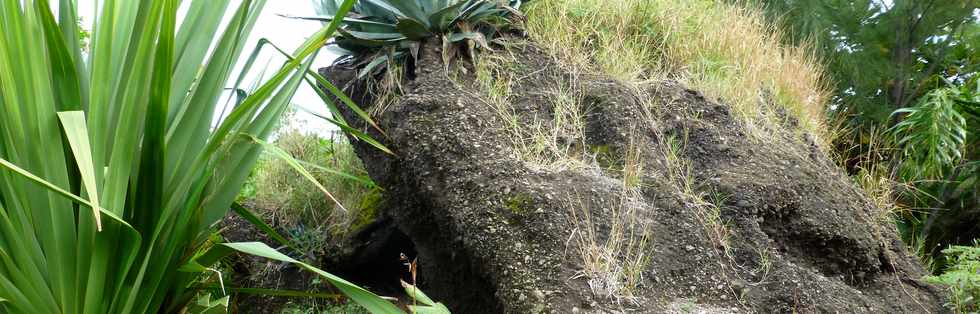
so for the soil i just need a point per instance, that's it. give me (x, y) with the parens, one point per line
(801, 237)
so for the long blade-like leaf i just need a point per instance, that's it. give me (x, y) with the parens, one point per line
(293, 163)
(368, 300)
(50, 186)
(78, 138)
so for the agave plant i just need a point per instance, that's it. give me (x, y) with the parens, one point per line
(378, 31)
(111, 167)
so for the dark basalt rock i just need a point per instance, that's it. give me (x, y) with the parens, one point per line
(492, 234)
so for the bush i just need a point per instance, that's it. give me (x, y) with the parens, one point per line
(962, 278)
(113, 167)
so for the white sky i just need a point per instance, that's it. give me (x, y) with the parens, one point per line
(285, 33)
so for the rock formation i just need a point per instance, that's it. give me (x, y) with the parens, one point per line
(657, 200)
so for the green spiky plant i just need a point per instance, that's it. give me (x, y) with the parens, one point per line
(376, 32)
(112, 168)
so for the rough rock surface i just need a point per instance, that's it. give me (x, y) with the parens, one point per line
(494, 234)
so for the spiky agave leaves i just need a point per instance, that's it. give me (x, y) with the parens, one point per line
(377, 32)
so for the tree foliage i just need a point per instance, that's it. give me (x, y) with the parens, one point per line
(883, 56)
(910, 66)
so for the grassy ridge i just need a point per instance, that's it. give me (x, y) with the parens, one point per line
(726, 51)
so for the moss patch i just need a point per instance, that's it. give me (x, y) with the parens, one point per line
(519, 204)
(605, 156)
(367, 212)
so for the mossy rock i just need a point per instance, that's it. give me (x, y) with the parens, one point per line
(367, 211)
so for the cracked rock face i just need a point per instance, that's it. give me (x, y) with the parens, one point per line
(713, 219)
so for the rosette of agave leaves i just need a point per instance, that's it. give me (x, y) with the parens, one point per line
(376, 32)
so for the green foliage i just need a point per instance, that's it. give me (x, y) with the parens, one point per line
(911, 67)
(885, 55)
(933, 134)
(84, 36)
(378, 31)
(364, 298)
(342, 308)
(112, 168)
(291, 201)
(205, 305)
(962, 278)
(938, 144)
(422, 304)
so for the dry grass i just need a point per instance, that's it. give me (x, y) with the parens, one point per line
(726, 51)
(613, 263)
(875, 176)
(613, 257)
(554, 142)
(706, 206)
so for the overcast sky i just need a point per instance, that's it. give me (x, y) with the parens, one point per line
(285, 33)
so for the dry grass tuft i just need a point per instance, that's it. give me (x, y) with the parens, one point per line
(726, 51)
(706, 206)
(613, 263)
(554, 142)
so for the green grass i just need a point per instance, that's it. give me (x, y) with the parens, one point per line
(288, 199)
(311, 219)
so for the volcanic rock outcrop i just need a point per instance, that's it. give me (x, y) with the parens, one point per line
(670, 203)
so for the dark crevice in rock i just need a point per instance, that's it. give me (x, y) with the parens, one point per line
(375, 258)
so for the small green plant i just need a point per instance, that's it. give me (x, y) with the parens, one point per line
(962, 278)
(376, 32)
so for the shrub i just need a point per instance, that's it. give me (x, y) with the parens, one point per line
(937, 156)
(962, 278)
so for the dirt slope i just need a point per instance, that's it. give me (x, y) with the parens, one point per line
(698, 215)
